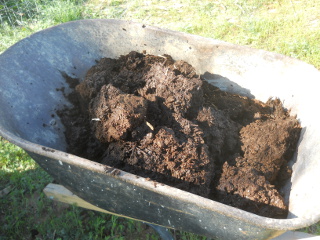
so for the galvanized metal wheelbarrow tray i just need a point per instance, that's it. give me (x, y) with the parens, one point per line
(31, 72)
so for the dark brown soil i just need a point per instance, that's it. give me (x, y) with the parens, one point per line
(156, 118)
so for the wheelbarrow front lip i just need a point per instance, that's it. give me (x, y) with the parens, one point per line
(211, 205)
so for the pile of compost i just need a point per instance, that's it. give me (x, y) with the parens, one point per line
(156, 118)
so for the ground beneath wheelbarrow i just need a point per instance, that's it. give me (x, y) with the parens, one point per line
(156, 118)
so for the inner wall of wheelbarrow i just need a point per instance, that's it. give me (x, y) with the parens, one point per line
(33, 87)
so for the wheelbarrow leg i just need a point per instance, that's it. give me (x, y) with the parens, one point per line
(162, 231)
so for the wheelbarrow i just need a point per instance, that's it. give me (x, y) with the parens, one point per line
(32, 71)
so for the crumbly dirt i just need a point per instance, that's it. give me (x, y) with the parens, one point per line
(155, 117)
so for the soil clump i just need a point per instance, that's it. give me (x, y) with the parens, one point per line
(156, 118)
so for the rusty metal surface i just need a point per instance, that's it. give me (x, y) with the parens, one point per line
(31, 73)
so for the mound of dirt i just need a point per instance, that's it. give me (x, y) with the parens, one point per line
(155, 117)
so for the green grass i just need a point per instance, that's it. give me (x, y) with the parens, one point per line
(20, 22)
(288, 27)
(284, 26)
(26, 210)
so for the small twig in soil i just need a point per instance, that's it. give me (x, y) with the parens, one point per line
(162, 56)
(165, 59)
(140, 150)
(132, 152)
(192, 72)
(96, 119)
(150, 126)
